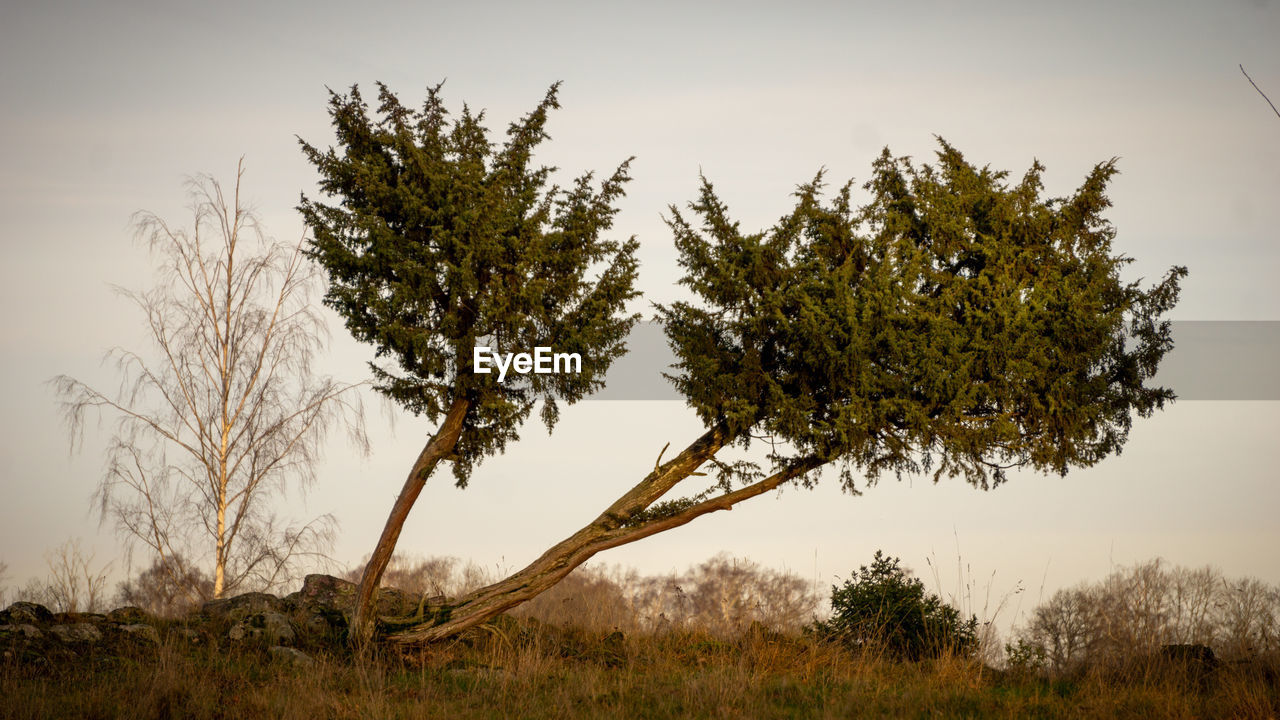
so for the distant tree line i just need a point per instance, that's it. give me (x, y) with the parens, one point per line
(1136, 611)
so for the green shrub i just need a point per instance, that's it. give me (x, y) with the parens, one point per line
(1025, 658)
(883, 608)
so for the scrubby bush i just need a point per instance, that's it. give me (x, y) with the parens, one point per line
(75, 583)
(1024, 658)
(168, 588)
(884, 608)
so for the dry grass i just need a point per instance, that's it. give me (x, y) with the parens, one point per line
(723, 640)
(529, 669)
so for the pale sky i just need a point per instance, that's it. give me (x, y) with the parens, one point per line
(108, 108)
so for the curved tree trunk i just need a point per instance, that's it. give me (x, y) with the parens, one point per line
(614, 527)
(440, 446)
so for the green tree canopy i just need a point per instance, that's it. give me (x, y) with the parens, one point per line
(439, 241)
(955, 323)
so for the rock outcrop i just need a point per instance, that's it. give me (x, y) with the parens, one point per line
(314, 617)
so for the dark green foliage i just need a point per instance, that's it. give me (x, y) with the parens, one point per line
(954, 323)
(438, 241)
(884, 609)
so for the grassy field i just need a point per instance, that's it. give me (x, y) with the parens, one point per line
(526, 669)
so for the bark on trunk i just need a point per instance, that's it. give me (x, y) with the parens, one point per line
(610, 529)
(440, 446)
(220, 548)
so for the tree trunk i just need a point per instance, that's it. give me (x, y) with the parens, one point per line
(220, 551)
(611, 529)
(440, 446)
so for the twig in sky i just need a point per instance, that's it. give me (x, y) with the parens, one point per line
(1264, 95)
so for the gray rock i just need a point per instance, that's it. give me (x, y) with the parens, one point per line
(77, 633)
(271, 627)
(31, 632)
(290, 655)
(322, 608)
(241, 606)
(28, 613)
(394, 602)
(319, 623)
(141, 630)
(324, 592)
(277, 628)
(128, 614)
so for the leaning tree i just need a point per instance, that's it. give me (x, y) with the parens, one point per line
(954, 324)
(439, 243)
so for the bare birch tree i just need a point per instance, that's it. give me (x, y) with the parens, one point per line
(226, 414)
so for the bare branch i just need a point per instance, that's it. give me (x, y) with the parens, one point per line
(1264, 95)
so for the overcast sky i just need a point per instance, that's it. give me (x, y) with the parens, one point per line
(107, 108)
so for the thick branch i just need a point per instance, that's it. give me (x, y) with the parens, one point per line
(632, 533)
(600, 535)
(663, 478)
